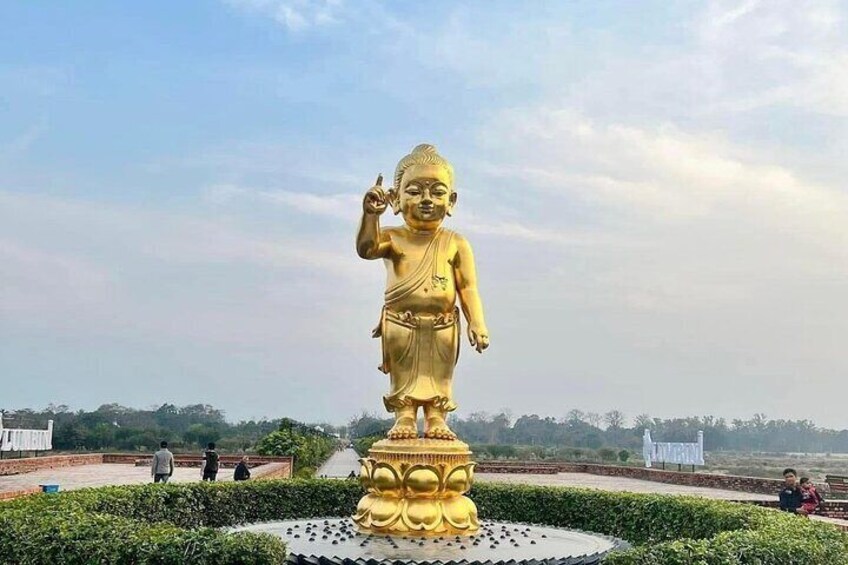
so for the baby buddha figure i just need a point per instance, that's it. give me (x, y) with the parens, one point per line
(428, 268)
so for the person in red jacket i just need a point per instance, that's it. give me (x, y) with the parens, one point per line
(810, 498)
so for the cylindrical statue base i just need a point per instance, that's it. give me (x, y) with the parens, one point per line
(417, 487)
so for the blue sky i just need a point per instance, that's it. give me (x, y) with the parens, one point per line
(655, 192)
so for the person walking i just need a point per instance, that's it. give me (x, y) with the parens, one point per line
(242, 473)
(209, 470)
(162, 467)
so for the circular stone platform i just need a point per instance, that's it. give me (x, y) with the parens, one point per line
(336, 541)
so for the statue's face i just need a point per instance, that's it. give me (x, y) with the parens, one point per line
(425, 196)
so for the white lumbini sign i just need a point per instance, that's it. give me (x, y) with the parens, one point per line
(666, 452)
(26, 440)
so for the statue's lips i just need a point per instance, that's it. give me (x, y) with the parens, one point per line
(426, 209)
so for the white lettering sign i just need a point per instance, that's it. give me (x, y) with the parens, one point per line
(667, 452)
(26, 440)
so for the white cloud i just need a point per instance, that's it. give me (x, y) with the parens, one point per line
(86, 268)
(784, 53)
(17, 146)
(345, 207)
(36, 282)
(294, 15)
(664, 175)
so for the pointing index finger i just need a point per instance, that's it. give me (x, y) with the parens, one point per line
(379, 180)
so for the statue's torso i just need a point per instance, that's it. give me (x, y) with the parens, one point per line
(437, 292)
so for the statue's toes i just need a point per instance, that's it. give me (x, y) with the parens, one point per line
(441, 433)
(403, 432)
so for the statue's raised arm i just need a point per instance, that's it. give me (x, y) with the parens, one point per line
(369, 238)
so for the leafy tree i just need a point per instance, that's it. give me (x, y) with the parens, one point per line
(309, 447)
(614, 419)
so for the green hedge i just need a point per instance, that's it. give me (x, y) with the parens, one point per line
(175, 524)
(670, 530)
(76, 537)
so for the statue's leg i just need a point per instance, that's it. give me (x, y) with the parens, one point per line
(436, 425)
(406, 425)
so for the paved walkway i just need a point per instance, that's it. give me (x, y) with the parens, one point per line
(602, 482)
(72, 478)
(340, 464)
(624, 484)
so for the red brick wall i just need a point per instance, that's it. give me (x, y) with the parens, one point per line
(725, 482)
(281, 470)
(525, 467)
(29, 464)
(11, 495)
(836, 509)
(225, 461)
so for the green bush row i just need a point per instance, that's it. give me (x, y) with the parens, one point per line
(75, 537)
(670, 530)
(174, 524)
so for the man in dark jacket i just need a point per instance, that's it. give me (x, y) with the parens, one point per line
(242, 473)
(791, 496)
(210, 463)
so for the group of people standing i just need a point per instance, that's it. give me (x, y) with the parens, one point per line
(162, 468)
(799, 496)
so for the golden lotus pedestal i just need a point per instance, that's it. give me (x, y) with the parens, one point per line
(417, 487)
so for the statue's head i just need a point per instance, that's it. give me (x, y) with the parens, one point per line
(423, 188)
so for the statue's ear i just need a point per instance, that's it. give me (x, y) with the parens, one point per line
(451, 203)
(393, 197)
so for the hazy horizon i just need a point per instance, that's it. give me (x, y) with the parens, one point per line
(655, 195)
(628, 418)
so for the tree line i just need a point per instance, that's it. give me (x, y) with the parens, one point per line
(593, 431)
(116, 427)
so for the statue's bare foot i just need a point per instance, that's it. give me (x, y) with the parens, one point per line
(438, 429)
(404, 428)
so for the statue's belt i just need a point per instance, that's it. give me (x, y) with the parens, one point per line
(410, 320)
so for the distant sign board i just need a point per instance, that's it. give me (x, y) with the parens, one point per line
(13, 439)
(667, 452)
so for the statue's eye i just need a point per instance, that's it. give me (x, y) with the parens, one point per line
(439, 190)
(413, 189)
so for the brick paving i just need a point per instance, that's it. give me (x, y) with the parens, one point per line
(602, 482)
(72, 478)
(624, 484)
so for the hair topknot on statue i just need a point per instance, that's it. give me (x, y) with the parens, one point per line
(423, 154)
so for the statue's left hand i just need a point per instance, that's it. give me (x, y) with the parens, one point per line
(478, 335)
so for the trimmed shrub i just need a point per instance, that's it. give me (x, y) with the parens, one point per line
(175, 523)
(76, 537)
(671, 530)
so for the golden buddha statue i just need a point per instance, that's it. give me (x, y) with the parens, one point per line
(428, 268)
(416, 485)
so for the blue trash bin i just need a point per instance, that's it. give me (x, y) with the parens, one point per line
(49, 488)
